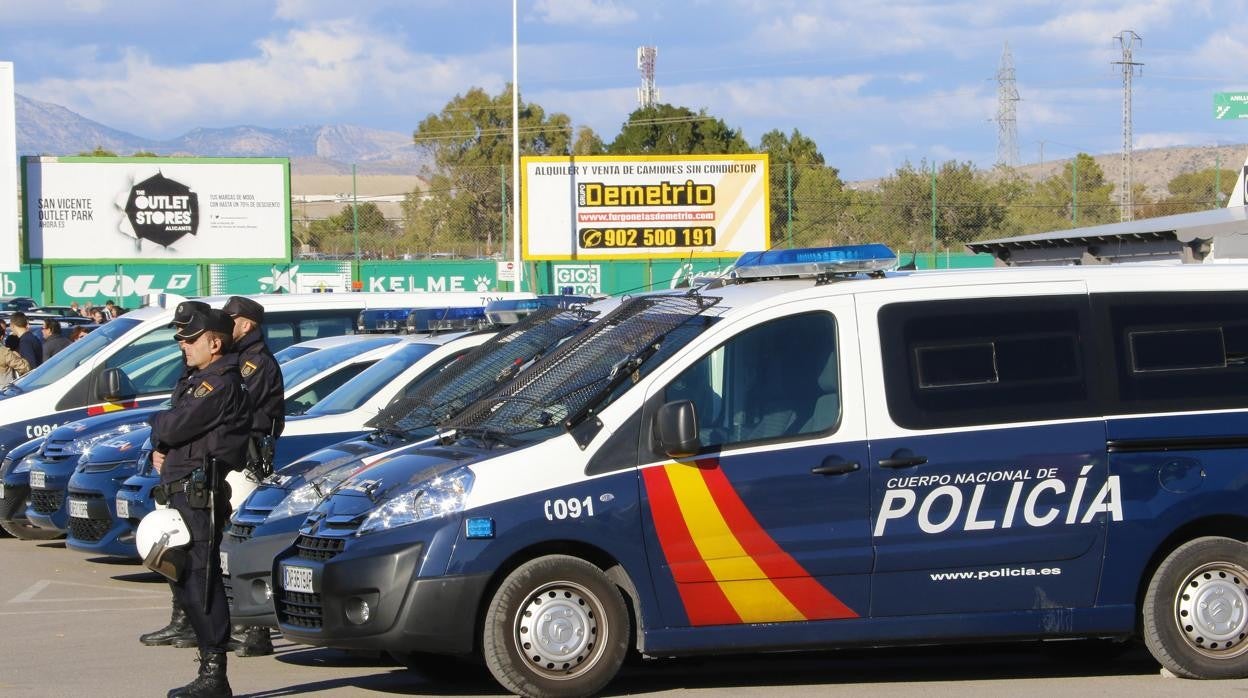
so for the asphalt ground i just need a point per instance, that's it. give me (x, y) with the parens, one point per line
(69, 625)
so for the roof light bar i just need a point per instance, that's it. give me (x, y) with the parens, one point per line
(509, 312)
(814, 261)
(442, 319)
(381, 320)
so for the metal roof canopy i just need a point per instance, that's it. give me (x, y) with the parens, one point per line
(1188, 237)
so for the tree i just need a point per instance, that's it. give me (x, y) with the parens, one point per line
(469, 144)
(1195, 191)
(968, 206)
(791, 157)
(144, 154)
(587, 142)
(668, 130)
(99, 152)
(1052, 204)
(336, 234)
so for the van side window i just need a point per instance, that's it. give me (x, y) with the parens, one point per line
(778, 380)
(1177, 351)
(985, 361)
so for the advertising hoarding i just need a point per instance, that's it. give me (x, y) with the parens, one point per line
(9, 244)
(643, 207)
(174, 210)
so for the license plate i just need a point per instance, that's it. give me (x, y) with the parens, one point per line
(123, 508)
(297, 579)
(77, 509)
(38, 479)
(225, 563)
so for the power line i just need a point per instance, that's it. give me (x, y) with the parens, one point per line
(1127, 41)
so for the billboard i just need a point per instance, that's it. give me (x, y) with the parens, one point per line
(643, 207)
(9, 260)
(172, 210)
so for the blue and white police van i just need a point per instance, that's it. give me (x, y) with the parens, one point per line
(444, 383)
(798, 457)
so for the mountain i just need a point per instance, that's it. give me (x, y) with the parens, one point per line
(50, 129)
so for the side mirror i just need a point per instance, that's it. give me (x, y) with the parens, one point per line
(676, 426)
(114, 386)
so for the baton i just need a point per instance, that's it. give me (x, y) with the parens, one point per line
(212, 529)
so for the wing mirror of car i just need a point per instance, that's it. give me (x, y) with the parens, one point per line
(676, 427)
(115, 386)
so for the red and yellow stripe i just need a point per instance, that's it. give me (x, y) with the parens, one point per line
(107, 407)
(727, 569)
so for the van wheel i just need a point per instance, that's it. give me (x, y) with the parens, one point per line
(557, 626)
(1196, 610)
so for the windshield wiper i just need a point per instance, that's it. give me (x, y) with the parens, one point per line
(620, 371)
(485, 436)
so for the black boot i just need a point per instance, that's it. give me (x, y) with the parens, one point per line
(256, 642)
(179, 629)
(211, 682)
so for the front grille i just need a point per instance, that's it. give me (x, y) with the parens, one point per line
(303, 610)
(240, 533)
(89, 530)
(75, 494)
(320, 549)
(58, 451)
(46, 501)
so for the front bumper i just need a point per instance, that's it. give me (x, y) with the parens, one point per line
(47, 506)
(137, 491)
(248, 586)
(101, 532)
(13, 501)
(406, 613)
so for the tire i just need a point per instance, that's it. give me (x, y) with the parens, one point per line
(19, 527)
(580, 605)
(1195, 612)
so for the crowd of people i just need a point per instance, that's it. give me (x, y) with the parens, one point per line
(23, 349)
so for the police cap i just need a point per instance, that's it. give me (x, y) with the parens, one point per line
(182, 314)
(241, 306)
(209, 320)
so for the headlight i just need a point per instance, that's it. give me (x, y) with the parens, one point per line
(23, 466)
(301, 501)
(82, 445)
(444, 494)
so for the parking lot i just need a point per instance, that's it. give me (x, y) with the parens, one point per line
(69, 623)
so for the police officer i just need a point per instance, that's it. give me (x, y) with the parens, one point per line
(179, 631)
(194, 444)
(264, 384)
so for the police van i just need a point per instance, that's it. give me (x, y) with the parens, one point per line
(799, 457)
(73, 384)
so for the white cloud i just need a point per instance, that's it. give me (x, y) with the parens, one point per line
(1087, 23)
(597, 12)
(1166, 139)
(311, 75)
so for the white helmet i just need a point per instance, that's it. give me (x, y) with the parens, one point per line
(161, 537)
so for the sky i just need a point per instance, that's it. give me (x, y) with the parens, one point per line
(875, 84)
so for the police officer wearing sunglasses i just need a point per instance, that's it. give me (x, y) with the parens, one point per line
(201, 437)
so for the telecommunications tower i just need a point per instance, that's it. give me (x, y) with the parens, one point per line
(1127, 41)
(1007, 114)
(647, 94)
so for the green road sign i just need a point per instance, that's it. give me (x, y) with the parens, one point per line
(1230, 105)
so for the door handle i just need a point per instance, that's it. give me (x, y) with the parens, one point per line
(835, 466)
(902, 458)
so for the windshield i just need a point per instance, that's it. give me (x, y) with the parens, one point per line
(437, 396)
(356, 391)
(298, 370)
(590, 370)
(73, 356)
(293, 351)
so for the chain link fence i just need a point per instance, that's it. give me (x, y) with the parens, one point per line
(921, 209)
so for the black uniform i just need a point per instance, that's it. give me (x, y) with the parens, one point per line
(208, 418)
(264, 384)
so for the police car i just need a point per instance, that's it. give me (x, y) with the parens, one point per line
(75, 383)
(15, 489)
(441, 384)
(800, 457)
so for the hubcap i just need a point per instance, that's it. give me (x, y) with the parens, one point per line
(1211, 609)
(557, 630)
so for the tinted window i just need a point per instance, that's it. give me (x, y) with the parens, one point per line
(965, 362)
(778, 380)
(1177, 351)
(302, 401)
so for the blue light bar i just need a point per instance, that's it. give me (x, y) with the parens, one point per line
(509, 312)
(382, 320)
(442, 319)
(814, 261)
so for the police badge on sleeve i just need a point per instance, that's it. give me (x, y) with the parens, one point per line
(248, 369)
(203, 389)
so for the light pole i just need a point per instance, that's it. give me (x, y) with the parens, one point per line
(515, 149)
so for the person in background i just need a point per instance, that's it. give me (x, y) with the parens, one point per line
(77, 333)
(110, 310)
(74, 307)
(53, 340)
(10, 339)
(28, 344)
(97, 314)
(12, 366)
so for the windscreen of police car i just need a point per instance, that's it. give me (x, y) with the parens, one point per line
(356, 391)
(73, 356)
(298, 370)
